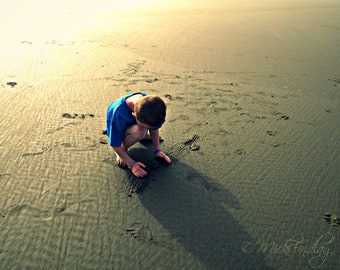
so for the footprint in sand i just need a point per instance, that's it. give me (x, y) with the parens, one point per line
(284, 117)
(134, 67)
(152, 80)
(26, 42)
(76, 115)
(336, 82)
(72, 116)
(180, 117)
(240, 152)
(62, 127)
(271, 133)
(86, 145)
(39, 152)
(60, 208)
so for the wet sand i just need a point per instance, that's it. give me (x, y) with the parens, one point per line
(252, 91)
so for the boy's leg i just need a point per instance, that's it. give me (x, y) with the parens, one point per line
(133, 134)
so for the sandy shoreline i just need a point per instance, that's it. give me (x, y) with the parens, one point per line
(255, 86)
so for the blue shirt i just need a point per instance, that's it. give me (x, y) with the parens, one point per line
(118, 118)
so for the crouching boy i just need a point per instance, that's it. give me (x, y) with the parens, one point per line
(132, 118)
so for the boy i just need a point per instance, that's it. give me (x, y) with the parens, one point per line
(131, 118)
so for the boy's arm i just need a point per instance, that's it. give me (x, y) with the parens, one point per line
(137, 168)
(156, 144)
(155, 139)
(122, 153)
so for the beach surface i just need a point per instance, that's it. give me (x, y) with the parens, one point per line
(253, 127)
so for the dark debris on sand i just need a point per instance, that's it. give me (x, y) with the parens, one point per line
(12, 84)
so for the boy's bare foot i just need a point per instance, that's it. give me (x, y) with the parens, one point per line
(120, 161)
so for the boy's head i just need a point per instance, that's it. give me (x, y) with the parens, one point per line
(150, 110)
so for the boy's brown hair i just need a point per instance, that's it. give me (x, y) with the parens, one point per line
(150, 110)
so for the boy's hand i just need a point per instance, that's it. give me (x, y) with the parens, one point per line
(137, 169)
(164, 156)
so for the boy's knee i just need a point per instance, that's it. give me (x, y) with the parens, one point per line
(138, 132)
(141, 134)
